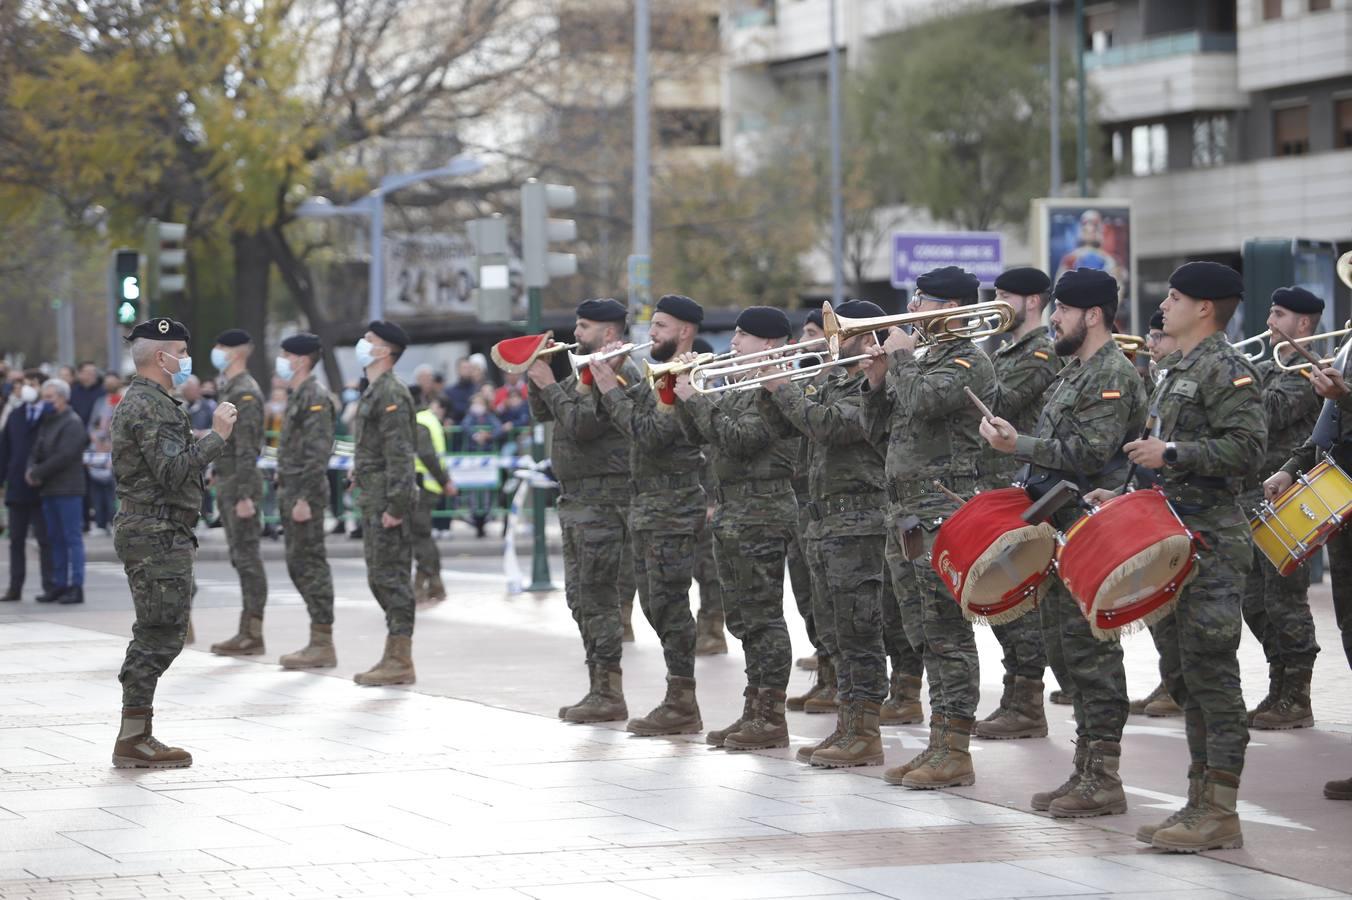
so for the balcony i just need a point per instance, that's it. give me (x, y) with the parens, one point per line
(1304, 48)
(1175, 73)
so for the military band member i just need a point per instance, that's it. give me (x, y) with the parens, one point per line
(710, 631)
(667, 508)
(917, 396)
(1212, 427)
(382, 470)
(1277, 607)
(303, 453)
(1024, 368)
(1096, 405)
(590, 457)
(239, 489)
(159, 472)
(434, 484)
(754, 523)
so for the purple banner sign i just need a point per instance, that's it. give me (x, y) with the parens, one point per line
(914, 253)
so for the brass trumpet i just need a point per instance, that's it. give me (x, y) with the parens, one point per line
(1256, 354)
(654, 371)
(1129, 344)
(1305, 365)
(585, 359)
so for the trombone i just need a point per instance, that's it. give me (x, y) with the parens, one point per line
(1305, 365)
(1129, 344)
(1256, 354)
(655, 371)
(586, 359)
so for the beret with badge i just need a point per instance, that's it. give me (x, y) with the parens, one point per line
(1023, 281)
(1298, 300)
(949, 283)
(767, 322)
(602, 309)
(1205, 280)
(682, 308)
(1086, 288)
(389, 333)
(160, 329)
(302, 343)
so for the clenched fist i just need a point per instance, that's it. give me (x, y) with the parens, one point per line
(223, 420)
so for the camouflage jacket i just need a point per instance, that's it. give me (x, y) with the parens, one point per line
(931, 425)
(306, 443)
(1024, 369)
(1292, 409)
(658, 445)
(1306, 455)
(1092, 410)
(748, 446)
(382, 461)
(237, 474)
(155, 461)
(1210, 406)
(844, 457)
(585, 443)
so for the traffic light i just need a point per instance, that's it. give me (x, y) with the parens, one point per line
(493, 296)
(166, 258)
(538, 231)
(127, 294)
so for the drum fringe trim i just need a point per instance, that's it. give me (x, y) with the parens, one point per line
(1147, 620)
(1018, 611)
(1028, 534)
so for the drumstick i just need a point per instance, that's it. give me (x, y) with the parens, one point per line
(956, 498)
(1145, 433)
(1299, 348)
(985, 410)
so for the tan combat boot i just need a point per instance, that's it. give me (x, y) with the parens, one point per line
(825, 681)
(1292, 709)
(862, 743)
(1004, 700)
(627, 620)
(249, 641)
(137, 749)
(950, 765)
(825, 700)
(1160, 705)
(436, 590)
(1099, 792)
(1022, 716)
(191, 636)
(710, 638)
(897, 774)
(1338, 790)
(1211, 825)
(606, 701)
(318, 654)
(719, 735)
(1060, 697)
(678, 713)
(419, 587)
(1274, 691)
(843, 714)
(766, 729)
(593, 681)
(395, 666)
(806, 662)
(1146, 833)
(1042, 800)
(902, 706)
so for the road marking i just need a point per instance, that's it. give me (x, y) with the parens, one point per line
(1248, 812)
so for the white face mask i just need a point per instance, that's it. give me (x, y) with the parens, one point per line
(28, 394)
(284, 369)
(365, 353)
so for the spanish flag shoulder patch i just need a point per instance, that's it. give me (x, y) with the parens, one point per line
(317, 407)
(1111, 395)
(962, 362)
(245, 397)
(392, 407)
(1042, 354)
(1243, 381)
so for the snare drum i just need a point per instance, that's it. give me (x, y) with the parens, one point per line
(1290, 529)
(992, 561)
(1127, 561)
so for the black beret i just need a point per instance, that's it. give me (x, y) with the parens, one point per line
(233, 337)
(859, 309)
(1207, 281)
(814, 317)
(160, 329)
(602, 309)
(700, 345)
(1024, 280)
(949, 283)
(764, 322)
(389, 332)
(302, 343)
(1086, 288)
(683, 308)
(1157, 320)
(1298, 300)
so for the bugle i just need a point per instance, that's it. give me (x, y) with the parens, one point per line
(654, 371)
(972, 322)
(1257, 353)
(578, 360)
(516, 354)
(1129, 344)
(1279, 348)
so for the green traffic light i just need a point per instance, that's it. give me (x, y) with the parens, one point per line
(126, 313)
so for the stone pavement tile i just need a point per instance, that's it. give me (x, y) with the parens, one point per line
(56, 820)
(74, 861)
(943, 803)
(699, 835)
(594, 890)
(16, 836)
(742, 887)
(79, 798)
(204, 834)
(153, 862)
(699, 808)
(1104, 874)
(838, 814)
(959, 881)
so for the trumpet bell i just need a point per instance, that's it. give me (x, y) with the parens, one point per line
(515, 355)
(1344, 268)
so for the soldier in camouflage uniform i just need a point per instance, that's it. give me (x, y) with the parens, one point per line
(753, 525)
(1211, 429)
(710, 637)
(845, 540)
(303, 453)
(667, 509)
(1096, 405)
(239, 489)
(159, 471)
(821, 696)
(382, 470)
(590, 458)
(1024, 368)
(1277, 607)
(918, 398)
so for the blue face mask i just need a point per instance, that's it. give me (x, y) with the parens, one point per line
(365, 353)
(47, 408)
(351, 395)
(184, 370)
(284, 369)
(219, 359)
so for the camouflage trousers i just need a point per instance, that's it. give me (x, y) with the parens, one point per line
(751, 541)
(157, 556)
(802, 583)
(1198, 643)
(934, 622)
(1340, 573)
(426, 556)
(595, 550)
(706, 573)
(307, 562)
(389, 562)
(243, 536)
(904, 658)
(1089, 669)
(1025, 654)
(664, 527)
(1277, 611)
(847, 594)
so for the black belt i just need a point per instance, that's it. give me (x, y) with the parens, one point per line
(820, 509)
(665, 482)
(765, 488)
(1207, 482)
(898, 491)
(175, 514)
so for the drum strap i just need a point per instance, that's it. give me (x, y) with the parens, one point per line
(1328, 428)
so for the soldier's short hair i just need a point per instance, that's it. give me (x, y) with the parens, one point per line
(143, 350)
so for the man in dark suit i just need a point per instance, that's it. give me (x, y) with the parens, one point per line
(25, 505)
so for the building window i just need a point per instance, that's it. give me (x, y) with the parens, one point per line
(1210, 141)
(1098, 31)
(1320, 5)
(1149, 149)
(1291, 131)
(688, 127)
(1342, 123)
(1272, 9)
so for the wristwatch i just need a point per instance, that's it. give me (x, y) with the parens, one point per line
(1170, 453)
